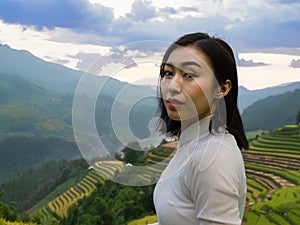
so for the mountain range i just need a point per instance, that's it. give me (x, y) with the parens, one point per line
(57, 78)
(248, 97)
(36, 100)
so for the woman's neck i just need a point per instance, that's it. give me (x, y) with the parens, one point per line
(195, 129)
(187, 123)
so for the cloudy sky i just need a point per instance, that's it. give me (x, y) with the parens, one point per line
(126, 37)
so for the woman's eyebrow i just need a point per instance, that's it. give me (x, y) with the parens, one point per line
(183, 64)
(190, 63)
(169, 64)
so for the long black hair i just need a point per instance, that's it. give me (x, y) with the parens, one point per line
(221, 59)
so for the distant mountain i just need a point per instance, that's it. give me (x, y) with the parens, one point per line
(19, 153)
(34, 126)
(37, 182)
(15, 88)
(248, 97)
(57, 78)
(47, 75)
(272, 112)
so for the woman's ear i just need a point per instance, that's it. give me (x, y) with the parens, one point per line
(224, 89)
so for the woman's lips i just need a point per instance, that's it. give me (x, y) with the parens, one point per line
(173, 103)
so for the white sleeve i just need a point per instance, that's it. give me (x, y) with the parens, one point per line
(214, 179)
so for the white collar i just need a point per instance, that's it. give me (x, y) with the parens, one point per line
(195, 130)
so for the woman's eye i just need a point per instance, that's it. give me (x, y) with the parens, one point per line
(167, 74)
(189, 75)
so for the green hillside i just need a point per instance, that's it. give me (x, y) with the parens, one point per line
(13, 88)
(272, 112)
(50, 76)
(31, 120)
(20, 153)
(37, 182)
(95, 200)
(247, 97)
(36, 126)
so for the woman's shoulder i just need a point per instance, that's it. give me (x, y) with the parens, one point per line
(217, 150)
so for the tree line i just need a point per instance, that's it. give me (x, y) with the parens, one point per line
(113, 204)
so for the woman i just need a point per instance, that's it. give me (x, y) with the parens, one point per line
(204, 183)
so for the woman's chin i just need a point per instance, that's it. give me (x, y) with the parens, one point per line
(176, 117)
(173, 115)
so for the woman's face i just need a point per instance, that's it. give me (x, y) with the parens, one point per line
(188, 85)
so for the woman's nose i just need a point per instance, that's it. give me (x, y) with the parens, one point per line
(175, 85)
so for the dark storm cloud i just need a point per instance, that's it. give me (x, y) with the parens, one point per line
(142, 11)
(167, 11)
(167, 30)
(286, 1)
(95, 23)
(95, 62)
(85, 60)
(265, 33)
(188, 9)
(295, 63)
(249, 63)
(74, 14)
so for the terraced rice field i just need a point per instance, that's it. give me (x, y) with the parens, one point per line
(98, 173)
(273, 172)
(4, 222)
(157, 160)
